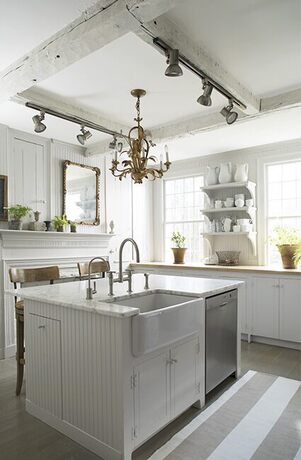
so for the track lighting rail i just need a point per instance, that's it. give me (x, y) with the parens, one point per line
(74, 119)
(197, 71)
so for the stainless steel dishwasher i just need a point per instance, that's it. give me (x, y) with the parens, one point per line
(221, 338)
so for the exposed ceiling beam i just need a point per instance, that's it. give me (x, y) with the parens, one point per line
(210, 122)
(36, 96)
(289, 99)
(99, 25)
(168, 32)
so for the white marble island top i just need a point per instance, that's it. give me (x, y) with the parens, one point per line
(73, 295)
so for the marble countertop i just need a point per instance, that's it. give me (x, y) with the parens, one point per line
(73, 295)
(237, 268)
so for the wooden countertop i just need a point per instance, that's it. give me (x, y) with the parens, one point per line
(238, 268)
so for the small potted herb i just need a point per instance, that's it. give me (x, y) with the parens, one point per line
(16, 214)
(288, 242)
(60, 223)
(179, 247)
(72, 226)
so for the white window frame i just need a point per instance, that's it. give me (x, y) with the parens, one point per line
(279, 158)
(186, 176)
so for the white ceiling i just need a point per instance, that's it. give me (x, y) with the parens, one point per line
(25, 24)
(257, 41)
(102, 82)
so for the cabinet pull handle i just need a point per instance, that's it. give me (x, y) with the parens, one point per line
(223, 304)
(42, 326)
(174, 360)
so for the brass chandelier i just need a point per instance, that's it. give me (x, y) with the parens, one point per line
(137, 164)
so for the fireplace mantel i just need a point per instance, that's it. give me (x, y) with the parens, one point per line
(24, 248)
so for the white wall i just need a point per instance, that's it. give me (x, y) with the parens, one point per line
(34, 166)
(255, 157)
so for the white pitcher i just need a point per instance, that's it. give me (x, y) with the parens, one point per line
(225, 174)
(212, 175)
(241, 173)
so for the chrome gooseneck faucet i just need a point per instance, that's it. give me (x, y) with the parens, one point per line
(127, 276)
(91, 291)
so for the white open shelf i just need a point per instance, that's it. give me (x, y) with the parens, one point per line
(249, 185)
(216, 210)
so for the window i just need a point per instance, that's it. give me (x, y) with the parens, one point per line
(283, 203)
(183, 201)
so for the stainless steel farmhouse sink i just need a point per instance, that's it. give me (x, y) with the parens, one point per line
(165, 317)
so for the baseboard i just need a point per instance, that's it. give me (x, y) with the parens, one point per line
(275, 342)
(8, 352)
(79, 436)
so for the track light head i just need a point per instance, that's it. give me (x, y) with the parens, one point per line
(205, 98)
(173, 69)
(84, 136)
(229, 113)
(39, 127)
(113, 143)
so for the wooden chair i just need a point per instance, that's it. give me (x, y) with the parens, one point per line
(96, 268)
(21, 276)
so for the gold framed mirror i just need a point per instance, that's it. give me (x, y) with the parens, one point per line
(81, 193)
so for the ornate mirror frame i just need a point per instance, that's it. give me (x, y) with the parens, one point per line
(97, 185)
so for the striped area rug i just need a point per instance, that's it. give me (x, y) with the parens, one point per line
(258, 418)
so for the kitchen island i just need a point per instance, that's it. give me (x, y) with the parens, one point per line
(112, 371)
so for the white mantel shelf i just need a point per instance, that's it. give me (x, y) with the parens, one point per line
(27, 238)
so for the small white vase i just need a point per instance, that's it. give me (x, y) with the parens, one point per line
(212, 175)
(225, 175)
(241, 173)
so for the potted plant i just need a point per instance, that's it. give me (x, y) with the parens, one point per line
(179, 249)
(288, 242)
(72, 226)
(16, 214)
(60, 223)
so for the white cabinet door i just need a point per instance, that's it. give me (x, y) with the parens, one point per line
(151, 396)
(43, 363)
(185, 375)
(266, 307)
(290, 310)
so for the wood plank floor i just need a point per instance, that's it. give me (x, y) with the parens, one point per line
(22, 437)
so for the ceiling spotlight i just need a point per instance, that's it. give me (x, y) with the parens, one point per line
(113, 143)
(173, 69)
(229, 114)
(205, 98)
(39, 127)
(82, 138)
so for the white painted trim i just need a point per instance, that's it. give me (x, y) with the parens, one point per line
(276, 342)
(79, 436)
(9, 352)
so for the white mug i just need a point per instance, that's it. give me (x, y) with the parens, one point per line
(249, 202)
(236, 228)
(218, 204)
(239, 203)
(245, 227)
(229, 202)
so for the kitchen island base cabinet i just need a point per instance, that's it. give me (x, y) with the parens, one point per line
(83, 380)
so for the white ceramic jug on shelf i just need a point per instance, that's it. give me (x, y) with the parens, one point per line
(212, 175)
(225, 174)
(241, 173)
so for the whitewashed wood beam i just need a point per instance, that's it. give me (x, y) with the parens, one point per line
(99, 25)
(166, 30)
(37, 97)
(212, 121)
(289, 99)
